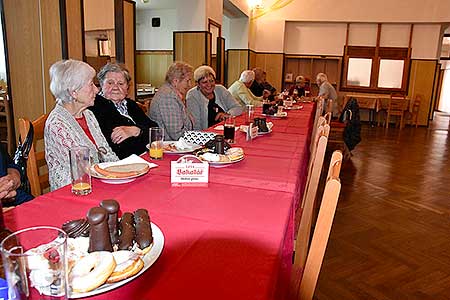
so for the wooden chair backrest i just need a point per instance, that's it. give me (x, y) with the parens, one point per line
(416, 105)
(144, 106)
(397, 104)
(321, 234)
(36, 165)
(309, 198)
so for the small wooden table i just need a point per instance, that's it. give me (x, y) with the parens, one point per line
(373, 102)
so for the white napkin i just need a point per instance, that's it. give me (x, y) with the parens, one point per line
(181, 144)
(132, 159)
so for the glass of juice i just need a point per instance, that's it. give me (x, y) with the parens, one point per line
(80, 170)
(156, 139)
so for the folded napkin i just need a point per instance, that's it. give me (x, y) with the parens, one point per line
(132, 159)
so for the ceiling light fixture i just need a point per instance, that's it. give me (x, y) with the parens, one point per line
(255, 4)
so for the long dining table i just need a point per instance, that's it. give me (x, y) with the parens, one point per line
(230, 240)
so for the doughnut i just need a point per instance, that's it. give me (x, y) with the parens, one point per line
(143, 236)
(126, 227)
(128, 264)
(91, 271)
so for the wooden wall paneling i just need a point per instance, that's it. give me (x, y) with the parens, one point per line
(252, 59)
(272, 63)
(52, 48)
(192, 47)
(74, 29)
(220, 72)
(129, 25)
(151, 66)
(421, 81)
(22, 37)
(237, 61)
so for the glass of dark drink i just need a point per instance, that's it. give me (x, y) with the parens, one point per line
(228, 129)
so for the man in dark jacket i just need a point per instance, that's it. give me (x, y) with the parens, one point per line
(10, 193)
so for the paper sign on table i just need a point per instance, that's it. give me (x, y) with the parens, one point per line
(189, 170)
(252, 132)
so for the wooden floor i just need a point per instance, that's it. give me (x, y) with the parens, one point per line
(391, 234)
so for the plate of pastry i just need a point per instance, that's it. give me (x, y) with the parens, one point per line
(127, 263)
(232, 155)
(123, 171)
(178, 147)
(277, 115)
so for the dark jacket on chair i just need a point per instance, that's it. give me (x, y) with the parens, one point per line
(352, 131)
(109, 117)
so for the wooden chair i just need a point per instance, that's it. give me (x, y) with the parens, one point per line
(144, 105)
(413, 114)
(5, 113)
(37, 171)
(398, 105)
(303, 289)
(309, 196)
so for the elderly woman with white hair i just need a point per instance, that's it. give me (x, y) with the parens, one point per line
(240, 90)
(209, 102)
(70, 124)
(168, 107)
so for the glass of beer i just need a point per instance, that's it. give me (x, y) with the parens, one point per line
(156, 139)
(80, 170)
(250, 114)
(35, 264)
(229, 129)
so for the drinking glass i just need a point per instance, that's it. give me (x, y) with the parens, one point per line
(156, 142)
(80, 169)
(35, 263)
(229, 129)
(250, 115)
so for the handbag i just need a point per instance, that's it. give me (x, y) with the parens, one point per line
(21, 158)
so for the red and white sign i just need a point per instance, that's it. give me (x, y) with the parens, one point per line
(189, 170)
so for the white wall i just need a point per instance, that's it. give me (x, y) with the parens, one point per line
(155, 38)
(315, 38)
(329, 38)
(2, 56)
(235, 32)
(191, 15)
(214, 11)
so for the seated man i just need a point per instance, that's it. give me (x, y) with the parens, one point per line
(209, 102)
(260, 84)
(10, 194)
(240, 90)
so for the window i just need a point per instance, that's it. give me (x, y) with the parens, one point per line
(391, 73)
(371, 69)
(359, 71)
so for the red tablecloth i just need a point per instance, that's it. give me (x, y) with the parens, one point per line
(230, 240)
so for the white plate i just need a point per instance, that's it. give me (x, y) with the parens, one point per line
(149, 259)
(221, 164)
(192, 147)
(115, 180)
(294, 107)
(282, 115)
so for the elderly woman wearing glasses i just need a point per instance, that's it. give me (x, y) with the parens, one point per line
(168, 107)
(210, 102)
(70, 123)
(122, 121)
